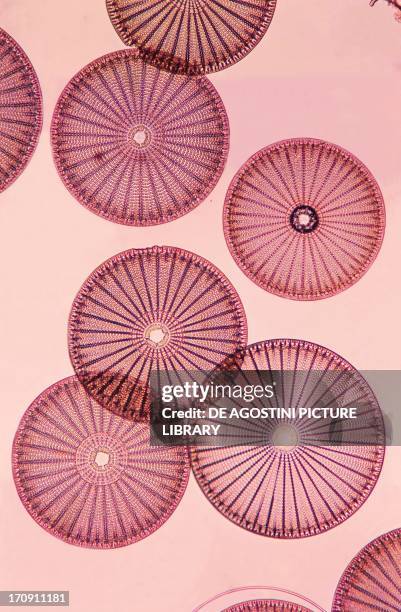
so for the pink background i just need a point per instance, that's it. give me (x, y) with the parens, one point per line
(327, 69)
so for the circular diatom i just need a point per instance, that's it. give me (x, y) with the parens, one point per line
(304, 219)
(150, 310)
(266, 605)
(292, 477)
(20, 110)
(192, 36)
(90, 477)
(372, 581)
(136, 145)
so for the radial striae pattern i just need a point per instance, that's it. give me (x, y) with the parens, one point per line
(147, 310)
(294, 477)
(90, 477)
(304, 219)
(20, 110)
(136, 145)
(266, 605)
(372, 581)
(191, 36)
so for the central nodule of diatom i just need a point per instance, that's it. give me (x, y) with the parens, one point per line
(304, 219)
(157, 335)
(285, 437)
(140, 136)
(102, 458)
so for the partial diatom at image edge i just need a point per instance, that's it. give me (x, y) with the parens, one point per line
(372, 580)
(21, 110)
(266, 605)
(186, 38)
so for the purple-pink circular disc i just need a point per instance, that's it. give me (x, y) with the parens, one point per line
(304, 219)
(372, 581)
(146, 310)
(291, 477)
(92, 478)
(136, 145)
(20, 109)
(266, 605)
(192, 38)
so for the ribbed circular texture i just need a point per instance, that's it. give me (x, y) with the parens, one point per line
(89, 477)
(257, 595)
(266, 605)
(20, 110)
(136, 145)
(192, 36)
(301, 481)
(304, 219)
(372, 581)
(145, 310)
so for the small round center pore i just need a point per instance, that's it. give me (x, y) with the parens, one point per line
(157, 335)
(140, 136)
(102, 458)
(304, 219)
(285, 437)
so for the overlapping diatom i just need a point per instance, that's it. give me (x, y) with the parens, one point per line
(287, 477)
(92, 478)
(150, 310)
